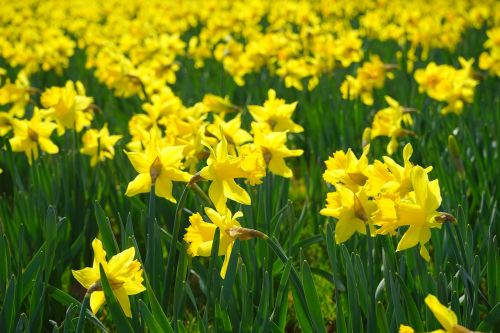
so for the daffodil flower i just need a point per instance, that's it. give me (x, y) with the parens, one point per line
(274, 150)
(122, 271)
(99, 144)
(347, 169)
(157, 166)
(31, 134)
(352, 210)
(275, 114)
(446, 317)
(200, 234)
(222, 169)
(419, 212)
(68, 106)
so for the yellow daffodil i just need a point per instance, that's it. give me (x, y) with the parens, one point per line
(252, 163)
(347, 169)
(222, 169)
(122, 271)
(446, 317)
(231, 129)
(31, 134)
(158, 166)
(5, 123)
(276, 114)
(16, 94)
(68, 106)
(388, 122)
(419, 212)
(371, 75)
(200, 234)
(352, 211)
(218, 104)
(99, 144)
(274, 150)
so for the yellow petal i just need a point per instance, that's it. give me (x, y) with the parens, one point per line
(216, 194)
(410, 238)
(48, 146)
(99, 254)
(445, 316)
(119, 263)
(133, 287)
(96, 301)
(141, 184)
(139, 161)
(279, 167)
(199, 235)
(420, 183)
(234, 192)
(122, 297)
(163, 188)
(227, 256)
(171, 155)
(86, 276)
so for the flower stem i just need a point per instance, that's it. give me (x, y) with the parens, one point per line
(81, 318)
(172, 254)
(149, 236)
(371, 314)
(203, 196)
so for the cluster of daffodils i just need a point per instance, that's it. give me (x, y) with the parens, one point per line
(123, 272)
(170, 141)
(447, 84)
(445, 316)
(61, 109)
(389, 122)
(33, 36)
(370, 76)
(136, 53)
(490, 59)
(383, 198)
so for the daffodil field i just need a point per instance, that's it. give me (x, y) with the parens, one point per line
(249, 166)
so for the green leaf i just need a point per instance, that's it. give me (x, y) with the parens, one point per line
(8, 312)
(67, 300)
(149, 319)
(280, 305)
(312, 296)
(413, 312)
(107, 236)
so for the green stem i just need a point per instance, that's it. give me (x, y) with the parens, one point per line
(172, 254)
(372, 313)
(197, 189)
(150, 229)
(81, 318)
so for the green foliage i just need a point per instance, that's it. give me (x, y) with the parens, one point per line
(50, 213)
